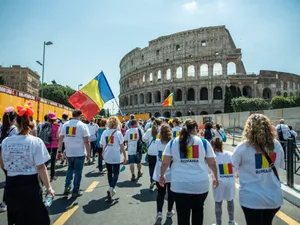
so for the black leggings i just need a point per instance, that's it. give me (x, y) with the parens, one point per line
(259, 216)
(4, 191)
(187, 204)
(52, 153)
(152, 163)
(161, 197)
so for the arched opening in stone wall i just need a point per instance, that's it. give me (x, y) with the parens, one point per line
(157, 97)
(191, 94)
(235, 91)
(151, 77)
(144, 78)
(190, 113)
(285, 94)
(191, 71)
(142, 98)
(179, 72)
(218, 112)
(267, 93)
(291, 94)
(166, 93)
(218, 93)
(135, 99)
(177, 114)
(247, 91)
(131, 100)
(157, 114)
(159, 75)
(178, 95)
(203, 113)
(231, 68)
(217, 69)
(204, 93)
(149, 97)
(167, 114)
(126, 100)
(204, 70)
(168, 74)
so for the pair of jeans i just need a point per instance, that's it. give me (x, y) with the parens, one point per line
(93, 148)
(75, 166)
(113, 171)
(259, 216)
(218, 211)
(161, 197)
(52, 153)
(187, 204)
(100, 160)
(152, 163)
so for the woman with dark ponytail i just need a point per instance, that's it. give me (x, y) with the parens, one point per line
(24, 157)
(189, 172)
(8, 129)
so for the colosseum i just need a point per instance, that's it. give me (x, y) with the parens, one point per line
(196, 65)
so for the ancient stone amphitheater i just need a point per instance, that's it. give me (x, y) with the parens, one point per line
(196, 65)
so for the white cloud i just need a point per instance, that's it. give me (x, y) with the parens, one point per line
(190, 6)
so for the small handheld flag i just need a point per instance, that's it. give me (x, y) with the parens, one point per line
(169, 100)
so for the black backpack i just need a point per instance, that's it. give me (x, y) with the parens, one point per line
(207, 135)
(141, 145)
(46, 133)
(280, 134)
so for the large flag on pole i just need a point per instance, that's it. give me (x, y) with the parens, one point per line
(91, 98)
(169, 100)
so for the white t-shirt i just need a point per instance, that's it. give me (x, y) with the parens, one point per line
(93, 128)
(21, 154)
(218, 133)
(74, 132)
(285, 130)
(132, 136)
(111, 146)
(189, 174)
(147, 137)
(176, 131)
(156, 175)
(260, 189)
(148, 125)
(226, 188)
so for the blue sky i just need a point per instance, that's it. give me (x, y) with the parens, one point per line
(90, 36)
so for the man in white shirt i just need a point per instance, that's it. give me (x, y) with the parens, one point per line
(150, 123)
(75, 135)
(283, 132)
(132, 136)
(93, 129)
(128, 123)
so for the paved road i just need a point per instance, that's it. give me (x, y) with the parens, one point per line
(134, 203)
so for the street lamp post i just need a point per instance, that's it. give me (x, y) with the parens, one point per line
(79, 85)
(43, 65)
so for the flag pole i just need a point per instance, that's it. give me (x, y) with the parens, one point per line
(119, 108)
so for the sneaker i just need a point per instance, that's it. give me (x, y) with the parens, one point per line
(53, 178)
(67, 191)
(152, 185)
(77, 194)
(158, 218)
(140, 174)
(133, 177)
(232, 223)
(170, 214)
(109, 193)
(114, 192)
(3, 207)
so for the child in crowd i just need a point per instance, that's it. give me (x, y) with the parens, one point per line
(226, 188)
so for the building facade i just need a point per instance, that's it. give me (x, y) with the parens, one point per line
(21, 78)
(197, 66)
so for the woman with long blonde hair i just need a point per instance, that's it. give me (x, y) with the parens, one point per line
(257, 159)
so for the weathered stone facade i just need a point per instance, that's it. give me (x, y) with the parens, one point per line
(196, 65)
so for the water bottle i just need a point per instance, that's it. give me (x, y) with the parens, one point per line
(48, 200)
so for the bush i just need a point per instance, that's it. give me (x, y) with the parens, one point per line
(249, 104)
(280, 102)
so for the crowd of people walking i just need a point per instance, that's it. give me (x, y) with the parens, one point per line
(181, 160)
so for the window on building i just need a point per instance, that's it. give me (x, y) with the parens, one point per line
(179, 73)
(159, 75)
(157, 52)
(151, 77)
(177, 47)
(142, 57)
(191, 71)
(204, 70)
(168, 74)
(203, 43)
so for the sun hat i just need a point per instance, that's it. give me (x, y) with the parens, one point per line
(52, 116)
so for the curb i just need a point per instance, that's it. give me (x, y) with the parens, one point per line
(290, 194)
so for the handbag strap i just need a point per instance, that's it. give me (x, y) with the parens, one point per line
(107, 143)
(271, 163)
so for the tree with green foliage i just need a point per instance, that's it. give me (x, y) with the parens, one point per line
(227, 101)
(249, 104)
(280, 102)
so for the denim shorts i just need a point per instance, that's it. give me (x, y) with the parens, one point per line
(135, 159)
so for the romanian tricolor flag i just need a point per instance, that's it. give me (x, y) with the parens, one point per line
(225, 169)
(91, 98)
(192, 152)
(176, 134)
(109, 140)
(133, 137)
(261, 162)
(71, 131)
(169, 100)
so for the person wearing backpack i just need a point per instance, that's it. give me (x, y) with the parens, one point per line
(282, 132)
(8, 129)
(52, 146)
(208, 131)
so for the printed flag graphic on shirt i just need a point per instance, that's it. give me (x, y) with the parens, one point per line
(169, 100)
(157, 136)
(160, 154)
(133, 136)
(176, 134)
(91, 98)
(71, 131)
(192, 152)
(225, 169)
(261, 162)
(110, 140)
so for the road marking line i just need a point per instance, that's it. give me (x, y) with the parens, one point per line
(92, 186)
(280, 214)
(65, 216)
